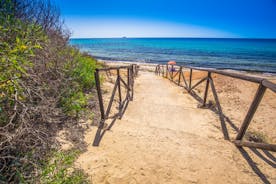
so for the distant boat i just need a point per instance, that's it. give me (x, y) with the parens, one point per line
(124, 37)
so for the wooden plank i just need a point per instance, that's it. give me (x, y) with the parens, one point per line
(125, 84)
(265, 146)
(252, 109)
(221, 116)
(269, 85)
(199, 82)
(112, 98)
(113, 68)
(231, 74)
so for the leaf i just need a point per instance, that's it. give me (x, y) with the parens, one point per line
(17, 40)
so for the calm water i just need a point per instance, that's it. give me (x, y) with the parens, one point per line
(238, 54)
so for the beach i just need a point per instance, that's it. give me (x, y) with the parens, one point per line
(254, 55)
(137, 92)
(164, 137)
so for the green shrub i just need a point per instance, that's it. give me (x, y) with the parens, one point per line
(83, 72)
(59, 170)
(41, 77)
(74, 102)
(18, 42)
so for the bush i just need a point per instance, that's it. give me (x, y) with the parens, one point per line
(59, 169)
(43, 82)
(18, 43)
(83, 71)
(74, 102)
(81, 75)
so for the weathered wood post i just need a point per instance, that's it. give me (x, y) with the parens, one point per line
(100, 98)
(190, 79)
(180, 73)
(167, 69)
(172, 68)
(132, 81)
(119, 89)
(136, 70)
(206, 89)
(128, 83)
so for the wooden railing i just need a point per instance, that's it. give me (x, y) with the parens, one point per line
(171, 71)
(132, 72)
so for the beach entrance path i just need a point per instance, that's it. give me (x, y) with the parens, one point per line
(164, 138)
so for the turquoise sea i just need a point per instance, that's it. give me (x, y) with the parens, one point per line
(257, 55)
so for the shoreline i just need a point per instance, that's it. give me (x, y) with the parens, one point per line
(151, 67)
(247, 56)
(234, 93)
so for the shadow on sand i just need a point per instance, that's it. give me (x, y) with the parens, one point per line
(105, 127)
(264, 155)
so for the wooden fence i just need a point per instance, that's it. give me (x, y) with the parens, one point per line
(132, 72)
(171, 71)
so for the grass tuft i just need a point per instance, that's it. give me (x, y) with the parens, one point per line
(254, 136)
(60, 170)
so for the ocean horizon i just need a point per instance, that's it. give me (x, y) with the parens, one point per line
(244, 54)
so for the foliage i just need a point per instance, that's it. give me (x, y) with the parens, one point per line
(18, 42)
(84, 70)
(43, 84)
(59, 169)
(74, 102)
(81, 74)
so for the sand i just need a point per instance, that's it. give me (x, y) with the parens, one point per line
(164, 137)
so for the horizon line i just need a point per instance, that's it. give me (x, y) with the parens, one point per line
(125, 37)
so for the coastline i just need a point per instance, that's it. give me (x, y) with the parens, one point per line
(249, 55)
(235, 96)
(151, 67)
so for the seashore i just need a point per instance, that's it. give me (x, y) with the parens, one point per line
(164, 137)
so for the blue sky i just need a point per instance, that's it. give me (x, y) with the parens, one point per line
(170, 18)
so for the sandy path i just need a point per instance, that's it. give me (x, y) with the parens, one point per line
(164, 138)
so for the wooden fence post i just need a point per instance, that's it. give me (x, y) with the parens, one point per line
(132, 81)
(190, 79)
(167, 71)
(206, 89)
(100, 98)
(180, 73)
(119, 88)
(128, 83)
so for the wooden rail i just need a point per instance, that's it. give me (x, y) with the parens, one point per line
(132, 72)
(169, 70)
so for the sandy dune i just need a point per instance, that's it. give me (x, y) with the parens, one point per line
(164, 138)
